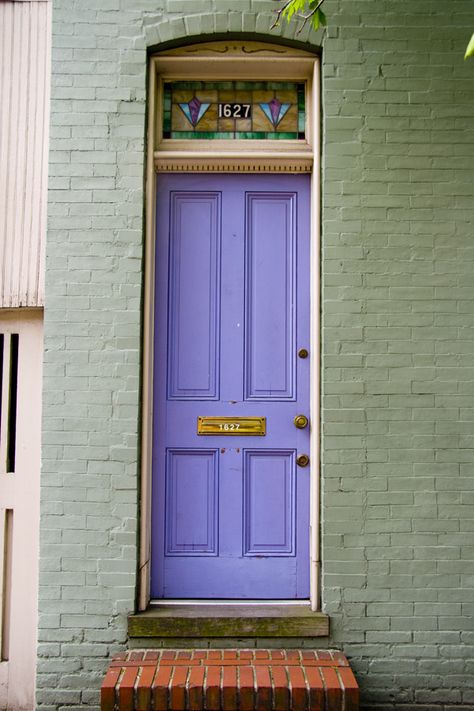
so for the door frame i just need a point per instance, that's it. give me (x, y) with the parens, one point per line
(213, 61)
(20, 506)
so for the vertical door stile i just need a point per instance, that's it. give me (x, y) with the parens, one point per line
(13, 404)
(5, 400)
(7, 548)
(315, 355)
(4, 348)
(3, 519)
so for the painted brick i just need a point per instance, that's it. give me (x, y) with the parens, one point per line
(397, 302)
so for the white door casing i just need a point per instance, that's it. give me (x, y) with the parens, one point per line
(21, 355)
(216, 61)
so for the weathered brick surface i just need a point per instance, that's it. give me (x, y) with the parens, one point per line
(280, 680)
(397, 338)
(398, 375)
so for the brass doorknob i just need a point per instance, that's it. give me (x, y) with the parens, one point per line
(301, 421)
(302, 460)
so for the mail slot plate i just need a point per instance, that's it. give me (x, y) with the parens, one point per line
(232, 426)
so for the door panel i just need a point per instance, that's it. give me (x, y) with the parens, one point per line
(270, 328)
(269, 502)
(191, 502)
(194, 296)
(231, 513)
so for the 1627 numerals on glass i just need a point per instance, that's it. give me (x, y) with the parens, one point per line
(237, 111)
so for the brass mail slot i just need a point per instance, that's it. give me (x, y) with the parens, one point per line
(232, 426)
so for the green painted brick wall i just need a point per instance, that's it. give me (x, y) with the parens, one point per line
(398, 343)
(397, 337)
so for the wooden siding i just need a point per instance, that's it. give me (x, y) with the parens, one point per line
(25, 47)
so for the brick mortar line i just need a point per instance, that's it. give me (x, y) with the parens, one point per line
(331, 656)
(227, 663)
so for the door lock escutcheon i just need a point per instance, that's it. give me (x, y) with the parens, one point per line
(302, 460)
(301, 421)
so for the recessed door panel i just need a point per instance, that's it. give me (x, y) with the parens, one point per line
(230, 512)
(194, 295)
(191, 502)
(269, 502)
(270, 282)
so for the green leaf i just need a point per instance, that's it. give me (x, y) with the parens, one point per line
(319, 18)
(470, 48)
(306, 9)
(293, 7)
(322, 18)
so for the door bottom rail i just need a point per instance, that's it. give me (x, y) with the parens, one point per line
(229, 680)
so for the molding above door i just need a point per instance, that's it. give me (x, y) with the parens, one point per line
(220, 162)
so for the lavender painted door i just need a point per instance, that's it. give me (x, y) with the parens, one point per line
(231, 513)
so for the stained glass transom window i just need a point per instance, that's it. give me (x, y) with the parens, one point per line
(234, 110)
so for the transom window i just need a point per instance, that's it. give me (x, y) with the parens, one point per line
(234, 110)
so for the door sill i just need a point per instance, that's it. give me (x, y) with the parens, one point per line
(207, 602)
(224, 618)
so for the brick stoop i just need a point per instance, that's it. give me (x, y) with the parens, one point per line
(229, 680)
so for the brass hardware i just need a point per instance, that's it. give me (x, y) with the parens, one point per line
(302, 460)
(301, 421)
(303, 353)
(235, 426)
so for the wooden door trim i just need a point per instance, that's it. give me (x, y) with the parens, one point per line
(227, 162)
(222, 157)
(20, 508)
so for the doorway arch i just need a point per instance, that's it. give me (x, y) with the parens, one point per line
(218, 60)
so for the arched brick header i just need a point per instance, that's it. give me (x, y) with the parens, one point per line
(217, 25)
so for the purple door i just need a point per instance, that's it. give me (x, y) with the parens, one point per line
(231, 511)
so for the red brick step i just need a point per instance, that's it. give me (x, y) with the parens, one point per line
(230, 680)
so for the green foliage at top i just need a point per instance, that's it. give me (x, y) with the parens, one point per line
(305, 10)
(310, 11)
(470, 48)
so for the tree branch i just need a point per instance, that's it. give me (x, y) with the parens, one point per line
(280, 12)
(305, 18)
